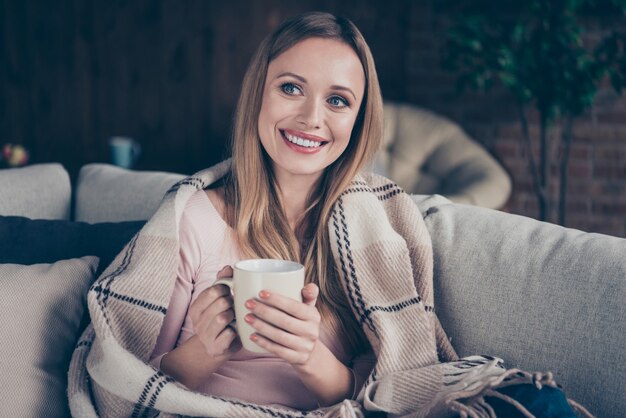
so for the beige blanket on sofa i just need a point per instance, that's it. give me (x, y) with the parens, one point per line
(383, 250)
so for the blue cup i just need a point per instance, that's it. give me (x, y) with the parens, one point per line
(124, 151)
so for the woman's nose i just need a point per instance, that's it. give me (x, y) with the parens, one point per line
(310, 113)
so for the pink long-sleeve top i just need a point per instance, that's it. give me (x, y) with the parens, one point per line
(207, 244)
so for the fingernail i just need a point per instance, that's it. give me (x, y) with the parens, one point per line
(254, 337)
(264, 294)
(250, 304)
(249, 318)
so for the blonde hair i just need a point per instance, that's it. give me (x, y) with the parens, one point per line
(253, 203)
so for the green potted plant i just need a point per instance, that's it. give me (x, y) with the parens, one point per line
(536, 49)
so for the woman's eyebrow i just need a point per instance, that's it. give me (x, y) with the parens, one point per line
(342, 88)
(288, 74)
(303, 80)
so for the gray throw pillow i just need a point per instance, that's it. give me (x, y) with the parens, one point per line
(39, 191)
(106, 193)
(41, 306)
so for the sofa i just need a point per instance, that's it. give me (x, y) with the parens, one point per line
(540, 296)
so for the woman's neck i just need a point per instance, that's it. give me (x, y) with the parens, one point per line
(295, 192)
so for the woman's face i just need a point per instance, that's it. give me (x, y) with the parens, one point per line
(311, 99)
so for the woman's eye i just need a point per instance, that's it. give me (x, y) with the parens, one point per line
(290, 88)
(338, 101)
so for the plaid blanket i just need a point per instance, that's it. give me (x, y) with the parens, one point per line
(383, 250)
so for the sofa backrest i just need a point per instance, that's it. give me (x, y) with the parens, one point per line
(40, 191)
(106, 193)
(540, 296)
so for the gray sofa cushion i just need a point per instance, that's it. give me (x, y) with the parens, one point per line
(40, 191)
(425, 201)
(540, 296)
(41, 306)
(106, 193)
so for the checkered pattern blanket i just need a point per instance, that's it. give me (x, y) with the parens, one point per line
(383, 250)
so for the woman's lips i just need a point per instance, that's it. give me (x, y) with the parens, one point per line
(309, 143)
(304, 135)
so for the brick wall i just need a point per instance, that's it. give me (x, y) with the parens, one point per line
(596, 200)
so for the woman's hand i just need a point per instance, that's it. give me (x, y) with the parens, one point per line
(211, 313)
(286, 327)
(290, 330)
(214, 343)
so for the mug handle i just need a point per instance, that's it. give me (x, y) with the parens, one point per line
(228, 281)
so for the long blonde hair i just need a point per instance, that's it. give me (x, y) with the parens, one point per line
(253, 203)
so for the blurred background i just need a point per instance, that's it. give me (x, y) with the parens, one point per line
(167, 73)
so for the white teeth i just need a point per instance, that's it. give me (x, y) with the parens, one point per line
(302, 142)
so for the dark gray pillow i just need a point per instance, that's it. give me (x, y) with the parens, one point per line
(28, 241)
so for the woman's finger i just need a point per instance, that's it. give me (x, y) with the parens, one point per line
(206, 298)
(216, 324)
(218, 307)
(310, 292)
(279, 336)
(282, 320)
(225, 272)
(288, 305)
(216, 335)
(287, 354)
(224, 341)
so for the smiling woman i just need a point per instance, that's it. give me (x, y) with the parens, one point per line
(362, 336)
(308, 120)
(309, 109)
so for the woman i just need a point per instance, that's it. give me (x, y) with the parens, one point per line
(305, 126)
(308, 121)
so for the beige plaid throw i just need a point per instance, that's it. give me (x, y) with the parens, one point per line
(384, 254)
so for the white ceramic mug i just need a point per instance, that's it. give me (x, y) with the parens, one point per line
(252, 276)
